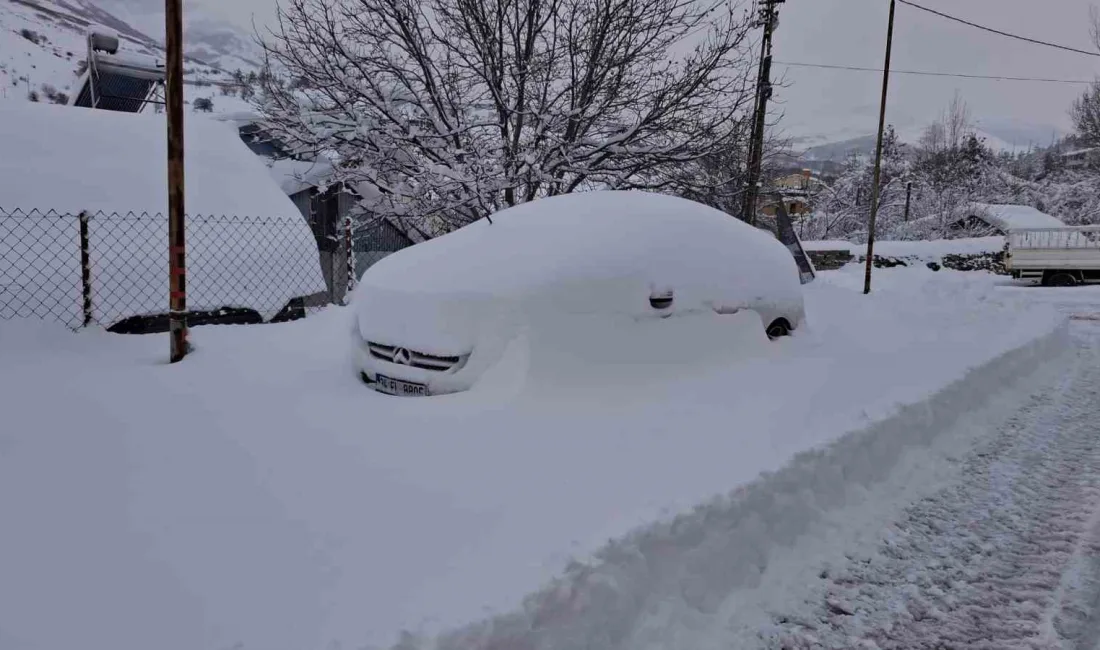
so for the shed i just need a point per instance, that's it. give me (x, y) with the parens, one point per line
(248, 246)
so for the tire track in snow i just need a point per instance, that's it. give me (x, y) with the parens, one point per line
(1008, 557)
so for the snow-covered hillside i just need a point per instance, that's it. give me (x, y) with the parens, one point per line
(209, 38)
(43, 47)
(998, 136)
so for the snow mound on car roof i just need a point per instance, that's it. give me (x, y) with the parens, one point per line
(590, 235)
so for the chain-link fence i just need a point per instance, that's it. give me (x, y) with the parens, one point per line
(111, 269)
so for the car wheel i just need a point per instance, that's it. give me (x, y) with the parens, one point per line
(1061, 280)
(778, 329)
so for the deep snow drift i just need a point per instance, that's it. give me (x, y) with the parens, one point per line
(258, 496)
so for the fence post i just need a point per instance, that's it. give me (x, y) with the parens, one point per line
(85, 268)
(349, 254)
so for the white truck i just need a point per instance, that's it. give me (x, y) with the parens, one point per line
(1055, 257)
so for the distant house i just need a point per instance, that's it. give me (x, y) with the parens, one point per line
(984, 219)
(796, 205)
(1082, 158)
(797, 191)
(804, 181)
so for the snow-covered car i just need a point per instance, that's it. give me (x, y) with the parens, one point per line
(433, 318)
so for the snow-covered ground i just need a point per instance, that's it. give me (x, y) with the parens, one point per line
(258, 496)
(997, 548)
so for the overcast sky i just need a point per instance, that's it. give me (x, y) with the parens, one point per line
(853, 32)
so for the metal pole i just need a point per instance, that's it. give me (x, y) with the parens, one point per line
(349, 254)
(763, 94)
(86, 268)
(878, 153)
(177, 250)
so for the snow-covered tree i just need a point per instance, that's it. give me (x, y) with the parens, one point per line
(1085, 113)
(446, 110)
(844, 207)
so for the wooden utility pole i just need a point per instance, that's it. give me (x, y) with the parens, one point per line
(878, 153)
(908, 195)
(177, 249)
(769, 19)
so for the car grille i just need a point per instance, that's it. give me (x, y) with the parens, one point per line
(413, 358)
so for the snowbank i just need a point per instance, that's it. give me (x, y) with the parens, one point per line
(293, 508)
(930, 250)
(827, 245)
(248, 245)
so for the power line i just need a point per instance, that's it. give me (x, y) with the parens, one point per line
(927, 73)
(997, 31)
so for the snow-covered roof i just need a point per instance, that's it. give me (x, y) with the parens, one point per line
(1080, 152)
(238, 118)
(293, 176)
(1012, 217)
(68, 160)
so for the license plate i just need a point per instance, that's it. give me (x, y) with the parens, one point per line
(401, 388)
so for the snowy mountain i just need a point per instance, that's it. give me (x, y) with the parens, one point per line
(43, 46)
(208, 37)
(1005, 138)
(42, 43)
(998, 136)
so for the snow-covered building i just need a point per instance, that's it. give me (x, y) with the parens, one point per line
(1082, 158)
(248, 246)
(325, 203)
(981, 219)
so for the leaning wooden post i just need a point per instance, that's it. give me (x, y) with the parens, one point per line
(85, 268)
(878, 154)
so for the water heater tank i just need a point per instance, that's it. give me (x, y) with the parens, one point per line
(100, 42)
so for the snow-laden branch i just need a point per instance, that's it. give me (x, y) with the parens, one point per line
(451, 109)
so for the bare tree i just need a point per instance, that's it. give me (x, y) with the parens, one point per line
(1094, 13)
(951, 129)
(446, 110)
(1085, 113)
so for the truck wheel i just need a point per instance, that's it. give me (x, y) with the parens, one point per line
(1061, 280)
